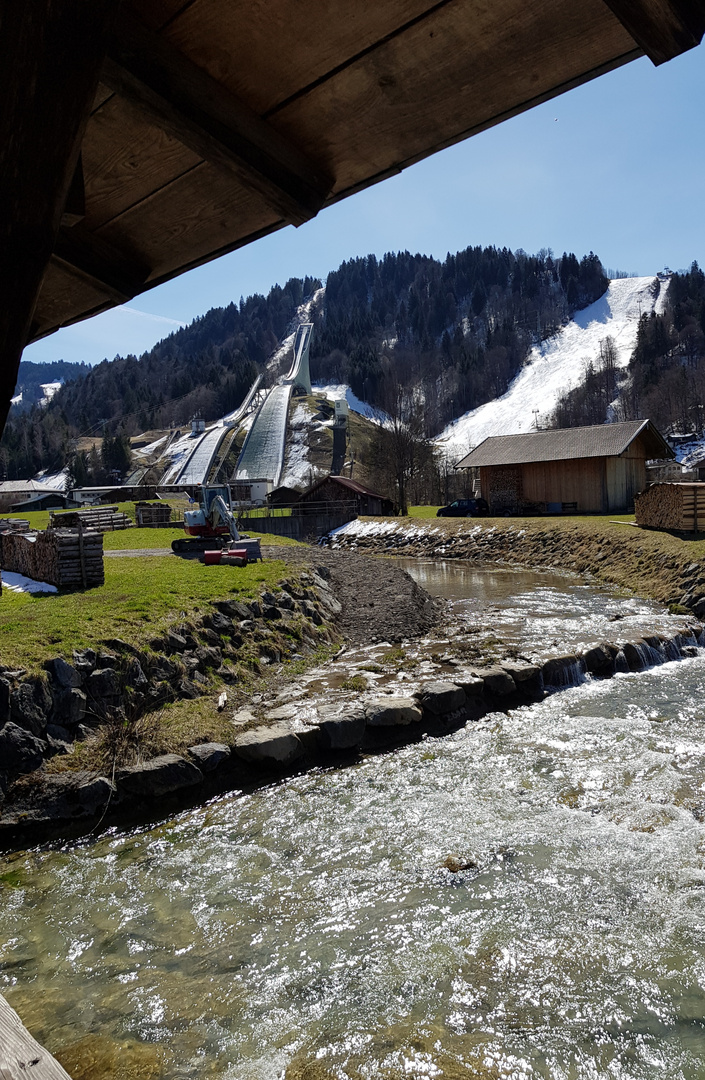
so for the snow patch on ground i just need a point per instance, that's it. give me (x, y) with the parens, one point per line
(16, 399)
(20, 583)
(692, 453)
(557, 365)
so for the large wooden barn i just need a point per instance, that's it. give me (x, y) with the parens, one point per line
(580, 470)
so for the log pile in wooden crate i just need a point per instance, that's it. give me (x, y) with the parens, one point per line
(67, 558)
(102, 518)
(680, 507)
(152, 515)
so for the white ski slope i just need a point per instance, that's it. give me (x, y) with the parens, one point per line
(558, 364)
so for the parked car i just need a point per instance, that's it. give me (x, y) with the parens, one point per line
(464, 508)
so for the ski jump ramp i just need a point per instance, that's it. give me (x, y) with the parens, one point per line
(262, 456)
(198, 464)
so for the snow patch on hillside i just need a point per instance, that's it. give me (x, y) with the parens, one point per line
(557, 365)
(303, 315)
(338, 391)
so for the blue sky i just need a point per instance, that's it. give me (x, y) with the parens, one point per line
(616, 167)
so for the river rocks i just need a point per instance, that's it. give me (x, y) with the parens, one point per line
(634, 655)
(528, 678)
(233, 609)
(442, 697)
(342, 730)
(20, 750)
(599, 660)
(70, 707)
(394, 712)
(562, 671)
(63, 675)
(498, 682)
(160, 776)
(30, 704)
(275, 745)
(104, 690)
(209, 756)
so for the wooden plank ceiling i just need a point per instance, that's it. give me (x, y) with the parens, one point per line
(216, 123)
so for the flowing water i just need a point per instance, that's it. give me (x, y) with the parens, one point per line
(524, 898)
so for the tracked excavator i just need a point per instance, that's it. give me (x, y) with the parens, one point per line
(209, 528)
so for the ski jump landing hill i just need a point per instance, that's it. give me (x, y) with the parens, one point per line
(558, 364)
(262, 456)
(193, 464)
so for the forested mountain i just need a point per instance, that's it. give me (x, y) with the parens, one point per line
(665, 380)
(32, 377)
(441, 337)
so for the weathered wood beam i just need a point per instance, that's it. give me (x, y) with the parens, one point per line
(50, 57)
(20, 1054)
(75, 205)
(196, 109)
(662, 28)
(109, 269)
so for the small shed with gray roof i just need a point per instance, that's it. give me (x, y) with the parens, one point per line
(583, 470)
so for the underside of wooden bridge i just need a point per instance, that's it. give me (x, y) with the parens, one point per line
(143, 138)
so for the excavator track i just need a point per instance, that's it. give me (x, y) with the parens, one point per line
(194, 545)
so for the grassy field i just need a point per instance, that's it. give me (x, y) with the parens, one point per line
(141, 597)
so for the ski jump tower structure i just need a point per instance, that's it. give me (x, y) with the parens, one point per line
(262, 456)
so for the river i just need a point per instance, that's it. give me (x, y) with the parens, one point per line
(524, 898)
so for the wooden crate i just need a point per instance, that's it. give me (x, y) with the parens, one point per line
(679, 507)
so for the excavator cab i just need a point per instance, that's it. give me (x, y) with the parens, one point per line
(212, 525)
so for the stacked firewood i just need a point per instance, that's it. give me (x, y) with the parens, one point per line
(67, 558)
(102, 518)
(14, 525)
(152, 515)
(680, 507)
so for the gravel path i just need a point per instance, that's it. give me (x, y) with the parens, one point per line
(381, 602)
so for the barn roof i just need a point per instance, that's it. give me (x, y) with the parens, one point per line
(565, 444)
(346, 482)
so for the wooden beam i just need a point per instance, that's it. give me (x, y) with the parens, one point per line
(662, 28)
(75, 205)
(118, 275)
(200, 112)
(50, 57)
(21, 1056)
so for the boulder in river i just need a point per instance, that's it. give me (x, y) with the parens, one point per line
(497, 681)
(440, 698)
(208, 756)
(20, 750)
(393, 712)
(157, 777)
(342, 730)
(277, 744)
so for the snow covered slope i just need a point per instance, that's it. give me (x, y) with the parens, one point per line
(558, 364)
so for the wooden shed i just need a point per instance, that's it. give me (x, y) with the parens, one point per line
(338, 490)
(579, 470)
(680, 507)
